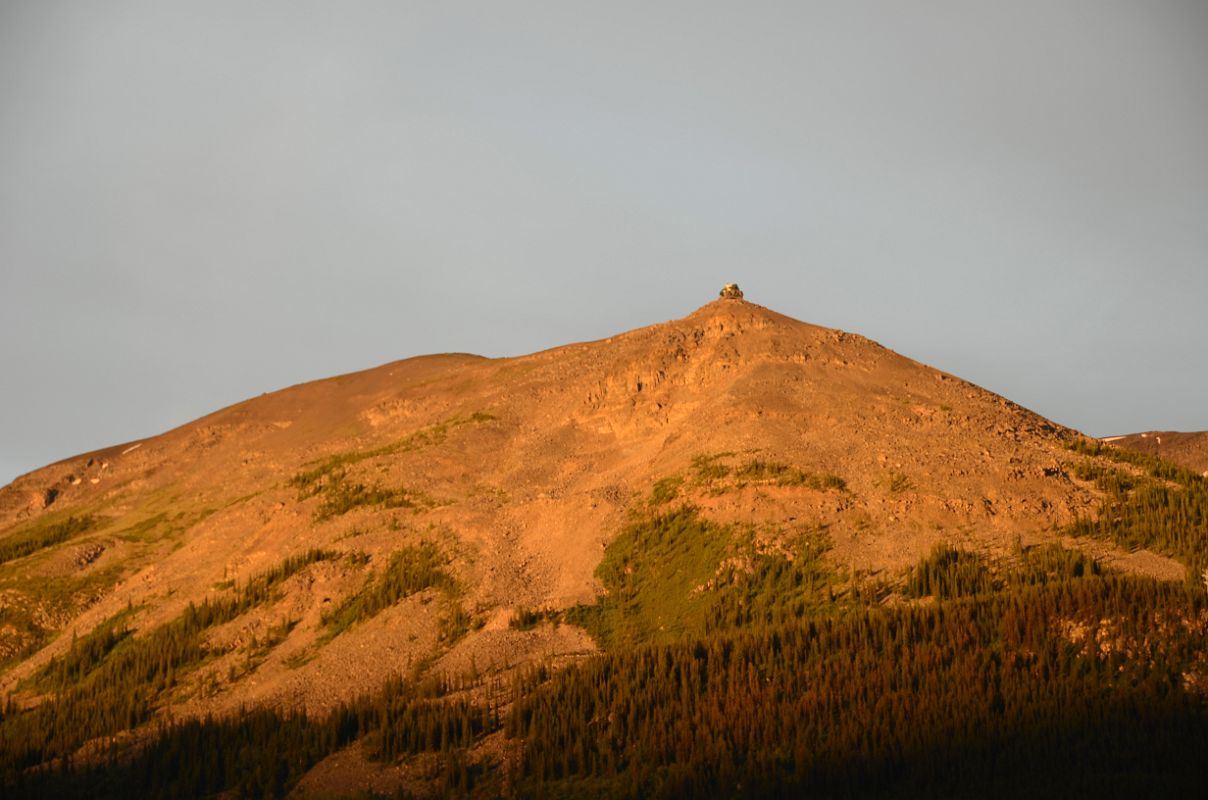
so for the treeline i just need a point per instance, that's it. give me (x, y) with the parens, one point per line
(990, 695)
(1089, 687)
(949, 572)
(1155, 467)
(110, 681)
(263, 753)
(1165, 510)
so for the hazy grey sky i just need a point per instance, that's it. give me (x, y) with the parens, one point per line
(200, 202)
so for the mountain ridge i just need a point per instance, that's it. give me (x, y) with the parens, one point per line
(1187, 448)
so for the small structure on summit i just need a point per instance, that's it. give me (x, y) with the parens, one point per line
(731, 292)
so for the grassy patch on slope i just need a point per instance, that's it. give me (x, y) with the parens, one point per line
(43, 535)
(679, 574)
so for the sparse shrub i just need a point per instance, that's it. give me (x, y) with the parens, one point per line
(786, 475)
(708, 469)
(455, 624)
(341, 496)
(899, 482)
(526, 619)
(666, 490)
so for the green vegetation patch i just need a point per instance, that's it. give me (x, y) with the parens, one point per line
(410, 571)
(760, 590)
(341, 496)
(85, 654)
(329, 478)
(110, 681)
(950, 572)
(1164, 510)
(43, 535)
(715, 473)
(34, 609)
(162, 526)
(526, 619)
(708, 468)
(309, 482)
(654, 577)
(665, 490)
(678, 574)
(785, 475)
(264, 753)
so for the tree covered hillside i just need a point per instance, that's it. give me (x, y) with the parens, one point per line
(733, 665)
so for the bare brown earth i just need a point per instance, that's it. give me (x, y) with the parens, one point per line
(529, 467)
(1188, 449)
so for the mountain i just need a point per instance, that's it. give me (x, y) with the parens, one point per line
(1188, 449)
(453, 515)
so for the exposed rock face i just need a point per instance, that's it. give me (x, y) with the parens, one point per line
(731, 292)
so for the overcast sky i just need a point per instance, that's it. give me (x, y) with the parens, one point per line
(203, 201)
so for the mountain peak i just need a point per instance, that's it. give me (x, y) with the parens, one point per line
(736, 315)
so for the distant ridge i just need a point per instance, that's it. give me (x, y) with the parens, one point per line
(1188, 449)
